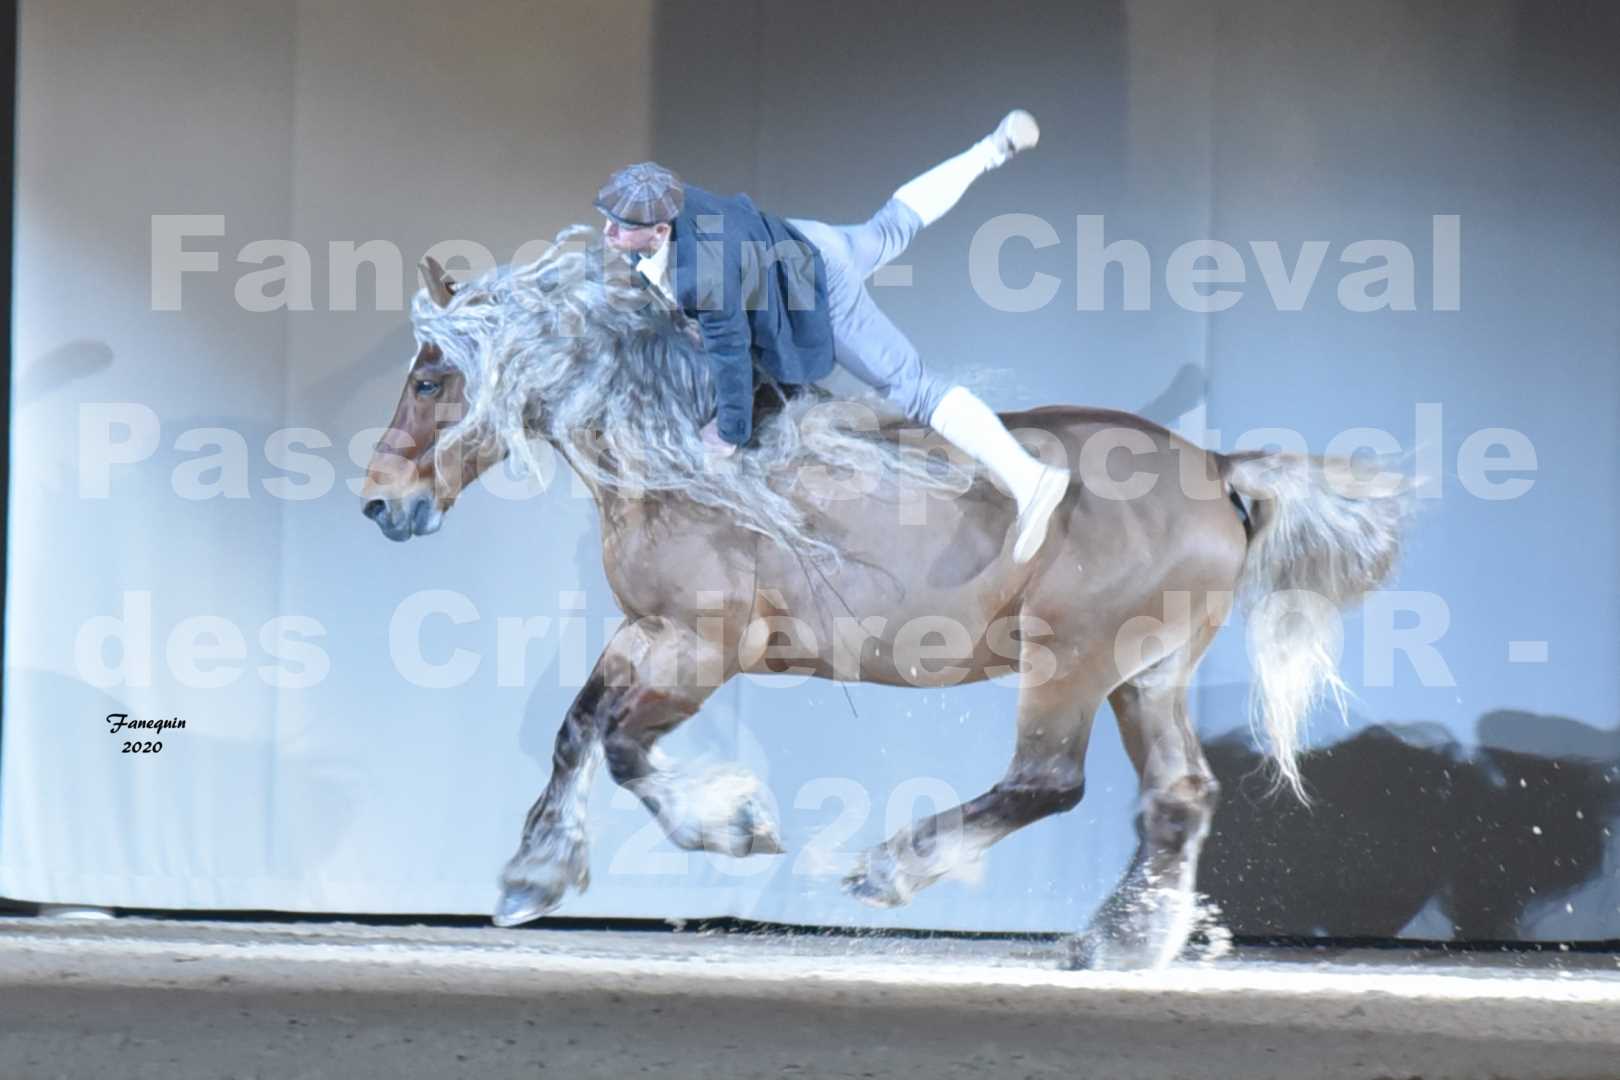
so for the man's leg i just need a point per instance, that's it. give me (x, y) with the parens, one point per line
(937, 190)
(874, 350)
(877, 241)
(920, 202)
(854, 252)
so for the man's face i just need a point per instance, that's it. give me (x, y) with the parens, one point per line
(639, 239)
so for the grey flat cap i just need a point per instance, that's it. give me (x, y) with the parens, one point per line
(642, 194)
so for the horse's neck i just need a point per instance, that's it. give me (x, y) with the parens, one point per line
(618, 511)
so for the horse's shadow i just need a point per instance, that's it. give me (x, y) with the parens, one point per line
(1490, 839)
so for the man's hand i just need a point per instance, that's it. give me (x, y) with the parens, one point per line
(713, 443)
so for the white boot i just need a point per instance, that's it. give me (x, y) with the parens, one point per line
(939, 189)
(969, 424)
(1017, 131)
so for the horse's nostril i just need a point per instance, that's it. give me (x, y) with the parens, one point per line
(372, 509)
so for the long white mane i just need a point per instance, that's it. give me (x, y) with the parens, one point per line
(576, 348)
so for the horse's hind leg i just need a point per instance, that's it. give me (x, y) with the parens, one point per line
(1146, 920)
(1047, 776)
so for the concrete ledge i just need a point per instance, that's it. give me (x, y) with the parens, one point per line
(148, 998)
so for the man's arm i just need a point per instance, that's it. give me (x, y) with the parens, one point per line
(728, 340)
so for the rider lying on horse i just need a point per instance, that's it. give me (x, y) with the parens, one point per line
(807, 307)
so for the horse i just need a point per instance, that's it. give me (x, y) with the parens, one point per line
(844, 545)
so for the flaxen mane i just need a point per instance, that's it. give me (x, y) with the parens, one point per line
(576, 348)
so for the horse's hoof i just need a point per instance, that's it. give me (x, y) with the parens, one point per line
(1137, 929)
(756, 826)
(726, 812)
(537, 878)
(862, 889)
(1080, 953)
(728, 815)
(524, 903)
(1100, 950)
(872, 882)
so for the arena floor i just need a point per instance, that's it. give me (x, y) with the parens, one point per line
(171, 999)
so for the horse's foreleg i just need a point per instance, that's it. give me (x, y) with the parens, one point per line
(553, 855)
(1146, 921)
(1047, 776)
(723, 810)
(646, 678)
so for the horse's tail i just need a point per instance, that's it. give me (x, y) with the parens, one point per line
(1320, 539)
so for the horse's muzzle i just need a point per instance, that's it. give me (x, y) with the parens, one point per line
(418, 517)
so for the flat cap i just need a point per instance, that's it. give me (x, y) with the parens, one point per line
(642, 194)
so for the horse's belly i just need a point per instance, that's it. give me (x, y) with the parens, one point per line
(927, 640)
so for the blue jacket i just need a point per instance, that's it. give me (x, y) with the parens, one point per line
(758, 290)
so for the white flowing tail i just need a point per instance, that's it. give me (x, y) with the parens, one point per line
(1320, 539)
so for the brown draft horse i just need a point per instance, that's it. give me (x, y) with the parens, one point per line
(1136, 577)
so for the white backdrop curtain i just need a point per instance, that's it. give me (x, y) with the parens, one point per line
(357, 739)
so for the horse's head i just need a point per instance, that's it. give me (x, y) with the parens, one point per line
(411, 481)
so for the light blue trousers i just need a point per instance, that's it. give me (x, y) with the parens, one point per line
(865, 342)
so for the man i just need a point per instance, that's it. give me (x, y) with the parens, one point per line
(791, 296)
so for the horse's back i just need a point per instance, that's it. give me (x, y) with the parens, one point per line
(1131, 525)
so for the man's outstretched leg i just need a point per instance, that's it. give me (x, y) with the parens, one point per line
(939, 189)
(923, 200)
(874, 350)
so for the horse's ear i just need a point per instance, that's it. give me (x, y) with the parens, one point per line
(439, 285)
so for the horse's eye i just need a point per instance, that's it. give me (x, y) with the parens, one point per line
(426, 387)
